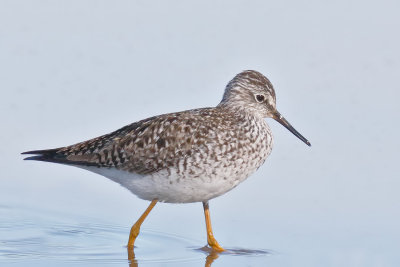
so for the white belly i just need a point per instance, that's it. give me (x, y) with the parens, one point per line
(171, 187)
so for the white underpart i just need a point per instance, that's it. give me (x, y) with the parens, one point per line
(171, 187)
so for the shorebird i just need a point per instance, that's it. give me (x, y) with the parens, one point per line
(189, 156)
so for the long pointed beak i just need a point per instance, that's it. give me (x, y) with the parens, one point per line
(279, 118)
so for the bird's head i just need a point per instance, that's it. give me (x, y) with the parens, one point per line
(252, 92)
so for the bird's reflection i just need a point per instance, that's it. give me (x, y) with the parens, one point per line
(131, 258)
(212, 255)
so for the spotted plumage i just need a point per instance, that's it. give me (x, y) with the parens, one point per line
(187, 156)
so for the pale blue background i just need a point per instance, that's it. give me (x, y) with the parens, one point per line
(73, 70)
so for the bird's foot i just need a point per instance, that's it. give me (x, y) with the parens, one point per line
(132, 236)
(213, 243)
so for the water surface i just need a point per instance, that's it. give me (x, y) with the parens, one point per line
(40, 239)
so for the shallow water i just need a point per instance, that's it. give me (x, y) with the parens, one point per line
(34, 237)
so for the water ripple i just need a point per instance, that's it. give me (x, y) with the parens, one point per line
(44, 238)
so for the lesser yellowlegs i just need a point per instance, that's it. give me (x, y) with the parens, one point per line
(190, 156)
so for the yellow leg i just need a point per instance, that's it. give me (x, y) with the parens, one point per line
(136, 227)
(212, 242)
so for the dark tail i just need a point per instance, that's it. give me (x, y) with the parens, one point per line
(49, 155)
(55, 156)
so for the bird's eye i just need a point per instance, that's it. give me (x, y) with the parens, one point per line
(260, 98)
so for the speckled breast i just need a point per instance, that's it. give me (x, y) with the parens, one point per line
(217, 166)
